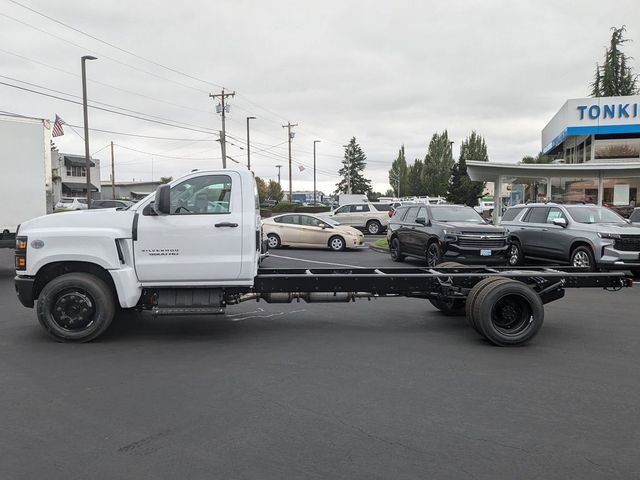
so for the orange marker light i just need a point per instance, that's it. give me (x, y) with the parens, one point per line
(21, 244)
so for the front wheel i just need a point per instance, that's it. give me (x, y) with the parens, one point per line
(76, 307)
(583, 257)
(337, 244)
(434, 255)
(394, 250)
(374, 227)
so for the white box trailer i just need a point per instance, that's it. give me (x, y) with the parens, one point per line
(26, 182)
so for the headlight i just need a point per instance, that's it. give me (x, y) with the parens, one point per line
(450, 235)
(608, 235)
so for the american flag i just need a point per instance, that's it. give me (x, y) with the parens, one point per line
(57, 127)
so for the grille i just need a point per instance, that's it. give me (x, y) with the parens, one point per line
(478, 242)
(628, 244)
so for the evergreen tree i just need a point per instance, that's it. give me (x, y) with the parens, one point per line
(353, 165)
(164, 180)
(461, 188)
(540, 158)
(398, 175)
(274, 191)
(437, 165)
(615, 77)
(414, 180)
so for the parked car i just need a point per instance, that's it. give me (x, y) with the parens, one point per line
(118, 204)
(436, 233)
(586, 236)
(71, 203)
(304, 230)
(268, 203)
(373, 217)
(622, 210)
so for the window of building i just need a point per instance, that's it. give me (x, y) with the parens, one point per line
(617, 148)
(523, 190)
(574, 190)
(75, 171)
(621, 191)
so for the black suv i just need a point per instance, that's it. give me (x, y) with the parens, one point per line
(445, 232)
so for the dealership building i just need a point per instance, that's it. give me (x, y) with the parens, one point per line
(596, 146)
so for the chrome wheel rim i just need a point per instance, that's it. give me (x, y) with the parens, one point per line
(581, 259)
(273, 242)
(336, 244)
(514, 255)
(373, 228)
(432, 256)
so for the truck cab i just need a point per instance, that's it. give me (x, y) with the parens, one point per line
(198, 234)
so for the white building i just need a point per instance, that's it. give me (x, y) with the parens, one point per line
(70, 176)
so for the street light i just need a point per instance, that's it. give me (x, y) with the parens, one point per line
(314, 170)
(87, 156)
(248, 153)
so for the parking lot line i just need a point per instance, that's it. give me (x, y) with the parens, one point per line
(315, 261)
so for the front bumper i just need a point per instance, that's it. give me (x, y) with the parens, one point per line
(472, 256)
(24, 289)
(608, 257)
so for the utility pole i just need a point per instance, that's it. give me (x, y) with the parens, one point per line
(278, 167)
(113, 175)
(314, 171)
(222, 108)
(290, 137)
(87, 155)
(248, 145)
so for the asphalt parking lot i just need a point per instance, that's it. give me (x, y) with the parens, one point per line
(384, 389)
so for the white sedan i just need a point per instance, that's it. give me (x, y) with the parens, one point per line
(304, 230)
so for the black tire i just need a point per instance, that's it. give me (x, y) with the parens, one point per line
(374, 227)
(582, 256)
(273, 241)
(394, 250)
(473, 295)
(337, 243)
(508, 313)
(515, 256)
(76, 307)
(449, 306)
(433, 255)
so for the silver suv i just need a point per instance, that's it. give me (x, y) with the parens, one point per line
(582, 235)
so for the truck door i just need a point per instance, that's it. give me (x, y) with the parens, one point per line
(201, 240)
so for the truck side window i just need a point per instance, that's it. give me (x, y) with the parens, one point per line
(345, 209)
(201, 195)
(359, 208)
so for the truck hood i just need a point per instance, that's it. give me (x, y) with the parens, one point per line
(469, 227)
(110, 218)
(620, 228)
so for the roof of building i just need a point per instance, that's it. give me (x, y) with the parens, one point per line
(131, 184)
(75, 161)
(78, 186)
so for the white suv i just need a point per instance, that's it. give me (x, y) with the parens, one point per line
(373, 217)
(71, 203)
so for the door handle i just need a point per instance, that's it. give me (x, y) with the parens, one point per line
(226, 224)
(545, 229)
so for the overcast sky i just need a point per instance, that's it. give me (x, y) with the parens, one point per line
(388, 73)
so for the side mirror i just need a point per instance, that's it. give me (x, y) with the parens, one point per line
(323, 226)
(561, 222)
(421, 220)
(162, 201)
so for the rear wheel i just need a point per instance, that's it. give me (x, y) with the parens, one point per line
(473, 295)
(337, 243)
(374, 227)
(76, 307)
(508, 313)
(394, 250)
(582, 256)
(274, 241)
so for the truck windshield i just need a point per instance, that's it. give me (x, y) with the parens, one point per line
(594, 215)
(456, 214)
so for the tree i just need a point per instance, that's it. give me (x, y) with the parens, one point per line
(274, 191)
(263, 194)
(398, 174)
(414, 180)
(540, 158)
(437, 165)
(164, 180)
(461, 188)
(389, 193)
(353, 165)
(614, 77)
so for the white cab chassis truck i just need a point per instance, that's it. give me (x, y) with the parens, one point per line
(25, 183)
(194, 247)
